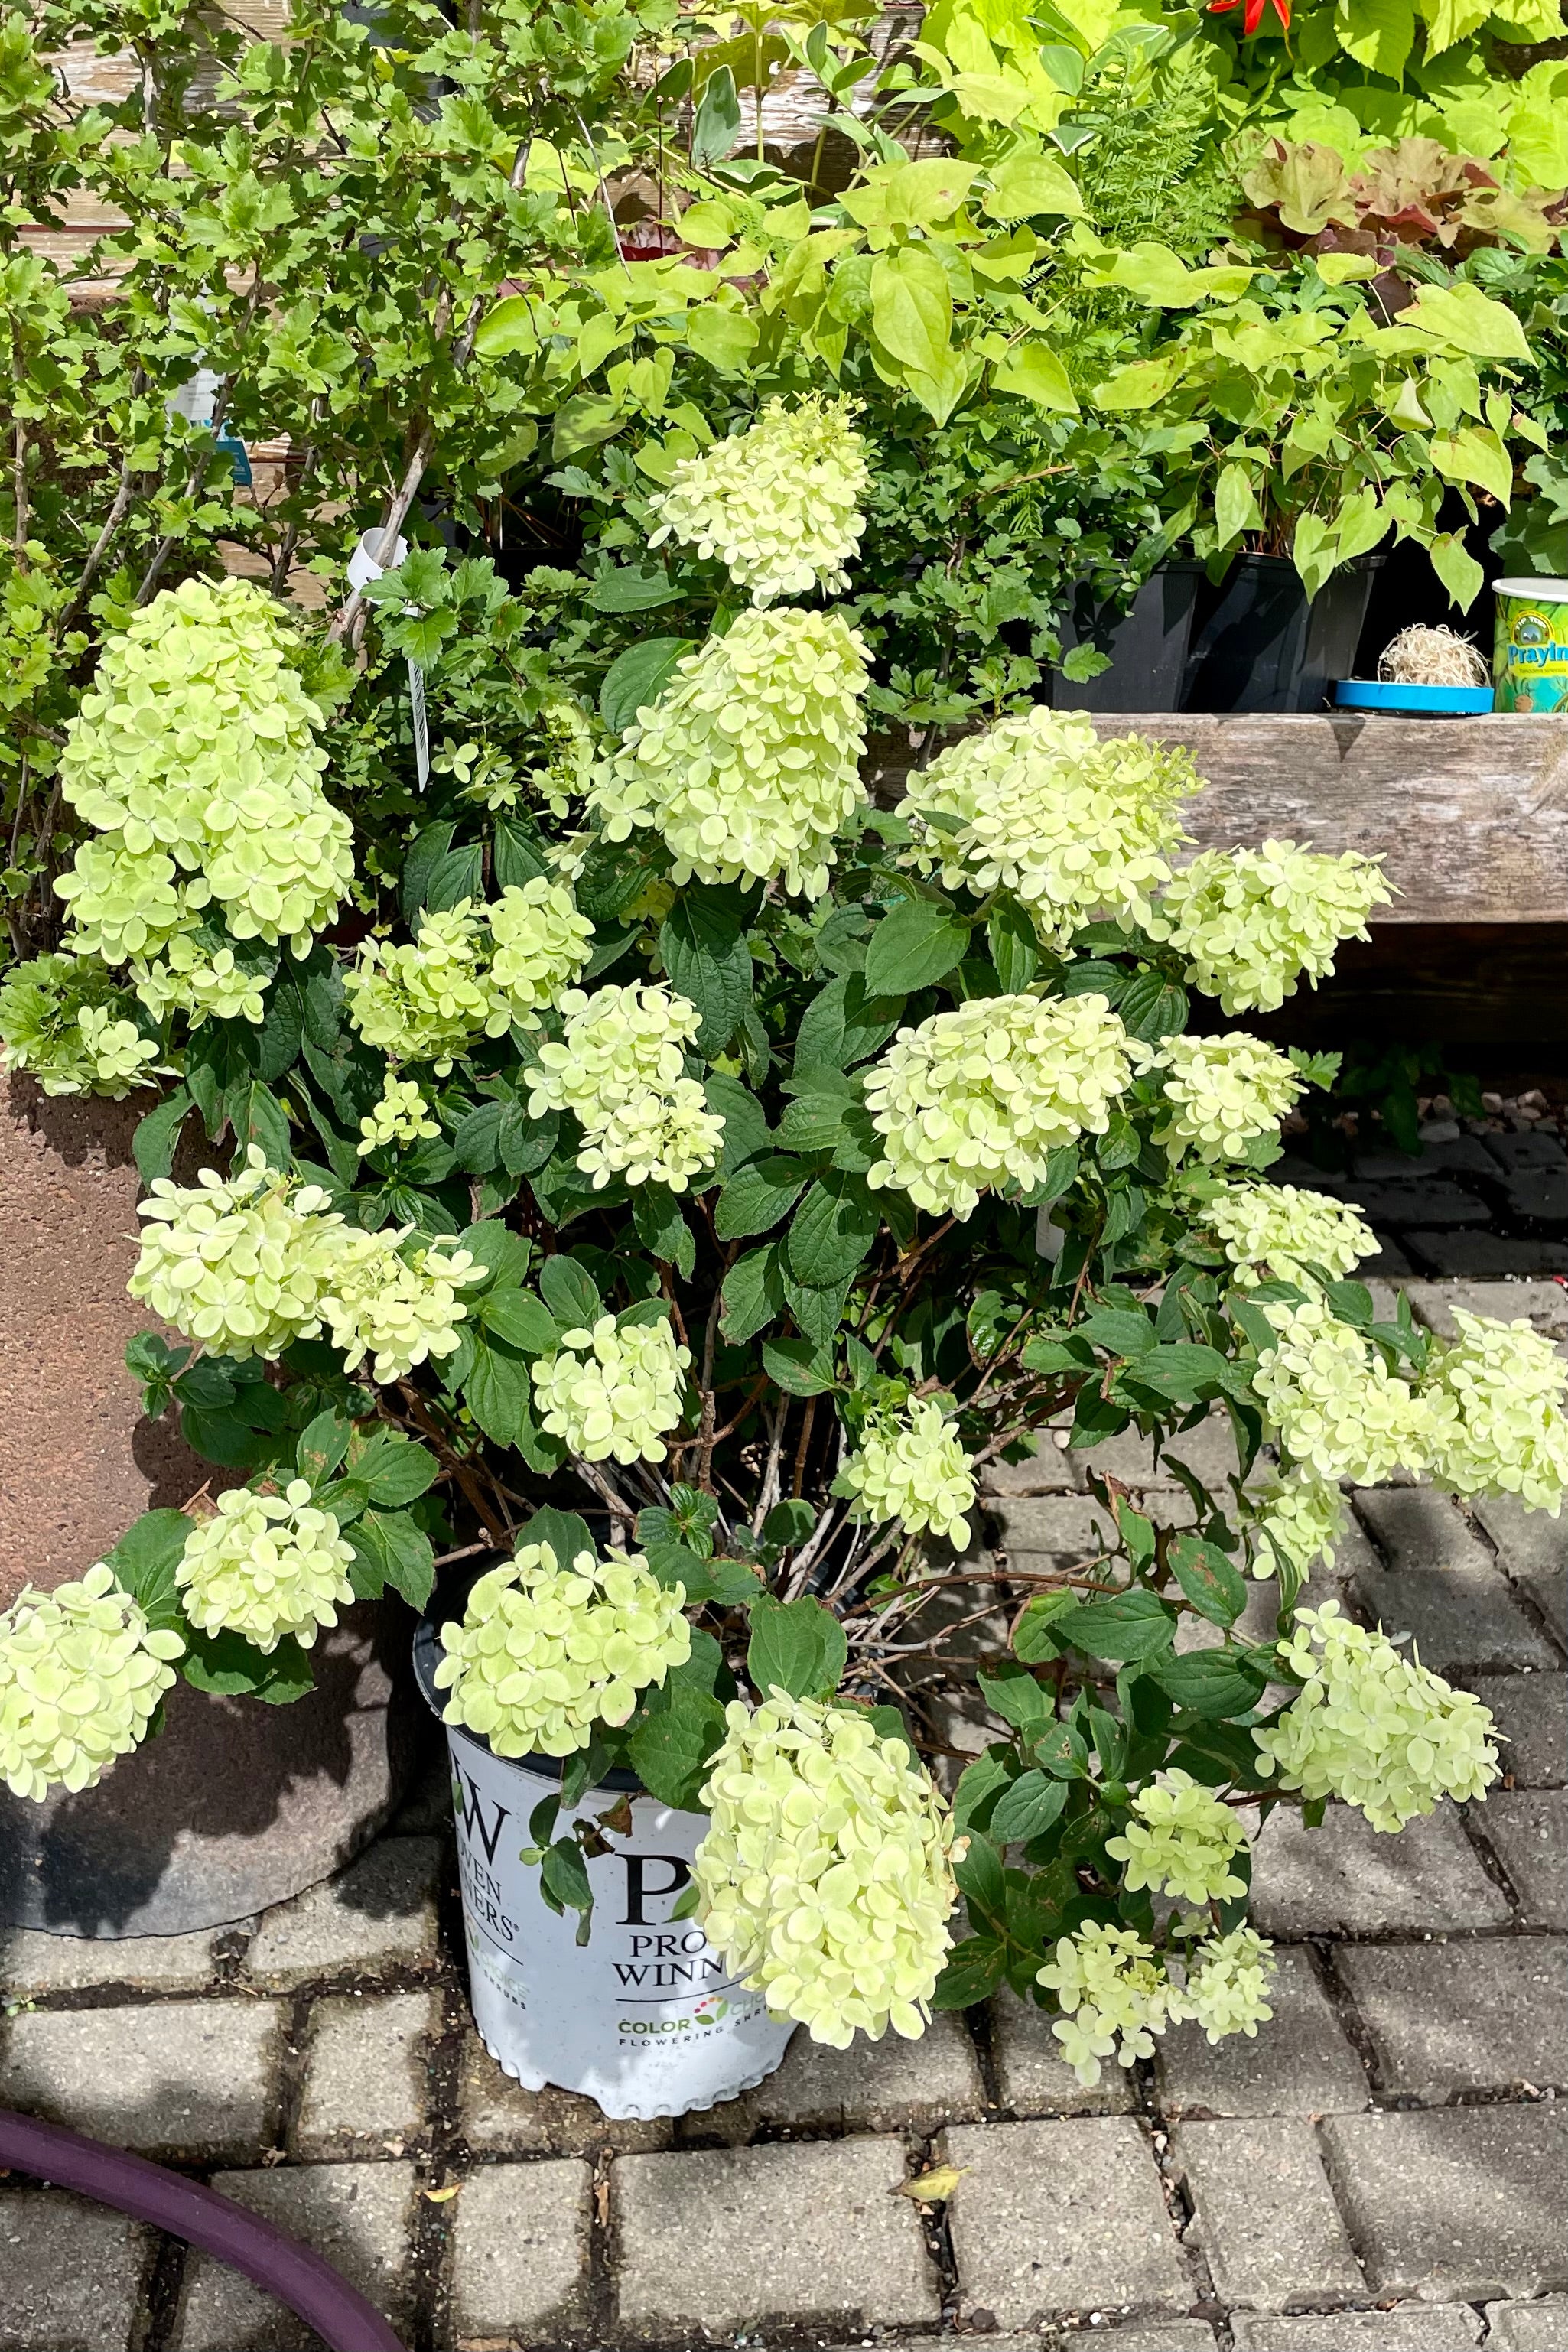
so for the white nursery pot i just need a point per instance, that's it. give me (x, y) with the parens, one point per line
(645, 2017)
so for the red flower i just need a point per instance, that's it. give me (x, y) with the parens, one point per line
(1252, 13)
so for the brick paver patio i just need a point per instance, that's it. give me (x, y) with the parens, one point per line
(1387, 2166)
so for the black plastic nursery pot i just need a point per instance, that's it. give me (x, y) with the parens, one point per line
(1146, 645)
(1264, 646)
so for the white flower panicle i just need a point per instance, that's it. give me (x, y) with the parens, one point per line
(392, 1301)
(1332, 1403)
(1228, 1978)
(195, 751)
(911, 1465)
(545, 1654)
(617, 1390)
(65, 1019)
(779, 505)
(750, 760)
(1252, 921)
(402, 1116)
(1276, 1231)
(620, 1069)
(1497, 1427)
(81, 1674)
(1301, 1518)
(205, 983)
(266, 1566)
(1113, 1995)
(1374, 1727)
(823, 1877)
(1181, 1843)
(540, 943)
(1221, 1093)
(978, 1097)
(1073, 827)
(470, 971)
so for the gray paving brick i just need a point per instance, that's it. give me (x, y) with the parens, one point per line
(1408, 2328)
(1528, 2326)
(1163, 2335)
(1048, 1470)
(1058, 2216)
(882, 2087)
(1061, 1526)
(33, 1965)
(1484, 1257)
(356, 2215)
(1456, 2204)
(1469, 2016)
(366, 2066)
(1419, 1529)
(1301, 2063)
(380, 1913)
(1460, 1618)
(1529, 1149)
(1528, 1830)
(1032, 2076)
(1264, 2213)
(70, 2274)
(1349, 1877)
(723, 2238)
(1534, 1550)
(498, 2117)
(1209, 1449)
(191, 2078)
(1532, 1712)
(519, 2250)
(1538, 1196)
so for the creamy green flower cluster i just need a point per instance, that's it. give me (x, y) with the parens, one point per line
(1496, 1397)
(978, 1097)
(266, 1566)
(65, 1019)
(205, 983)
(1229, 1978)
(1221, 1093)
(1182, 1840)
(1073, 827)
(249, 1263)
(470, 971)
(1251, 921)
(779, 505)
(824, 1878)
(81, 1674)
(1113, 1995)
(1277, 1231)
(750, 760)
(402, 1116)
(911, 1465)
(1374, 1727)
(1301, 1518)
(1333, 1404)
(620, 1070)
(194, 755)
(615, 1389)
(545, 1654)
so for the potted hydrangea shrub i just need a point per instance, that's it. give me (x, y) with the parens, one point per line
(635, 1252)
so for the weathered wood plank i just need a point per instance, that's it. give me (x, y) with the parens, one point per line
(1468, 816)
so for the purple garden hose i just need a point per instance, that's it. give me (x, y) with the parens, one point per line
(243, 2241)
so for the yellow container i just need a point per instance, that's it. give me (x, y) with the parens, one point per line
(1530, 665)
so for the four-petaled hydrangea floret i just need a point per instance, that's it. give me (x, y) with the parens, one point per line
(1222, 1093)
(1372, 1727)
(911, 1465)
(64, 1019)
(779, 505)
(617, 1390)
(1277, 1231)
(202, 982)
(619, 1068)
(1301, 1519)
(428, 1000)
(1072, 827)
(266, 1567)
(1229, 1978)
(1498, 1426)
(402, 1116)
(123, 906)
(1252, 921)
(394, 1300)
(979, 1097)
(1181, 1843)
(823, 1877)
(194, 750)
(241, 1263)
(541, 944)
(81, 1674)
(749, 762)
(545, 1654)
(1330, 1402)
(1113, 1997)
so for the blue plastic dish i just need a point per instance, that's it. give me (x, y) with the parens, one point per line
(1429, 701)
